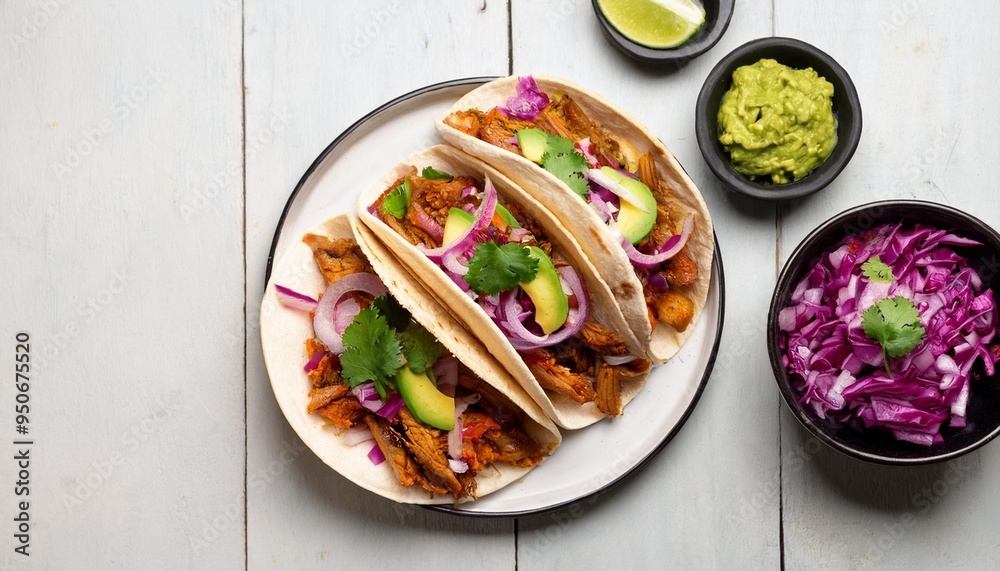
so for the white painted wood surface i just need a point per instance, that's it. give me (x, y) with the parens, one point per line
(138, 266)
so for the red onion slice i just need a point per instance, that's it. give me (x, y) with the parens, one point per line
(649, 261)
(367, 395)
(294, 300)
(324, 323)
(455, 434)
(481, 219)
(518, 334)
(446, 374)
(347, 309)
(599, 206)
(357, 435)
(586, 149)
(452, 264)
(458, 466)
(427, 223)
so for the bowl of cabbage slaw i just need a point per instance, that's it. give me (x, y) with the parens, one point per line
(883, 332)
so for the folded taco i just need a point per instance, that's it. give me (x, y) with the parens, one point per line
(630, 205)
(515, 277)
(383, 385)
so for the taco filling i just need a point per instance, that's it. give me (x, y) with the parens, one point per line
(377, 375)
(621, 186)
(496, 253)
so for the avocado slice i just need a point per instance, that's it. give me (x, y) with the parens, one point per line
(424, 400)
(533, 143)
(458, 221)
(546, 292)
(635, 221)
(507, 217)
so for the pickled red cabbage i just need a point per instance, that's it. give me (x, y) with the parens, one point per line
(839, 372)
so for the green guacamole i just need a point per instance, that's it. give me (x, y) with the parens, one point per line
(777, 122)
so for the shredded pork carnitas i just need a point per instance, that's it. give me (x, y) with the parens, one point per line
(416, 452)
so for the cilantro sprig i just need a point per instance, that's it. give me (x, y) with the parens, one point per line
(877, 271)
(560, 157)
(569, 168)
(493, 268)
(378, 339)
(895, 324)
(398, 200)
(420, 348)
(395, 315)
(372, 351)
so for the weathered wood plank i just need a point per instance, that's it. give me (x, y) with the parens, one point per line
(928, 88)
(117, 115)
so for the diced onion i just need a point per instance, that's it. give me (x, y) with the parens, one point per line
(357, 435)
(314, 361)
(391, 407)
(367, 395)
(375, 455)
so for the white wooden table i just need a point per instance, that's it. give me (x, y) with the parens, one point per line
(146, 150)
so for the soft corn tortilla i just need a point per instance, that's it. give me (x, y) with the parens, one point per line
(566, 412)
(596, 239)
(283, 334)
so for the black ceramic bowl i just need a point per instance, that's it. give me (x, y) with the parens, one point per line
(795, 54)
(717, 16)
(875, 445)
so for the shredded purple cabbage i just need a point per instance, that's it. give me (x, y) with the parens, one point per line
(529, 101)
(839, 371)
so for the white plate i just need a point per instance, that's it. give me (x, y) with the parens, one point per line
(589, 460)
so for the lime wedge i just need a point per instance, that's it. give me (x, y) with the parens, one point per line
(655, 23)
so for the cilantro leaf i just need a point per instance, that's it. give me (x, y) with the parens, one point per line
(371, 351)
(557, 145)
(895, 324)
(395, 315)
(431, 173)
(493, 268)
(398, 200)
(877, 271)
(569, 168)
(420, 348)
